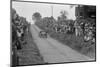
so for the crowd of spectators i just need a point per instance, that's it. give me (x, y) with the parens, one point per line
(19, 26)
(80, 27)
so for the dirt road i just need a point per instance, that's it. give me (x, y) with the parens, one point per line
(54, 51)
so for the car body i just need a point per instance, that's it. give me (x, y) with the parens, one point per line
(43, 34)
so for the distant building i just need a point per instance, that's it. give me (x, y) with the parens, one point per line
(85, 11)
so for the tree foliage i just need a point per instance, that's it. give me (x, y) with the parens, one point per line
(36, 16)
(19, 25)
(62, 16)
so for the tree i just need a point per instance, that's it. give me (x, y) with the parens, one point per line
(14, 14)
(36, 16)
(62, 16)
(19, 25)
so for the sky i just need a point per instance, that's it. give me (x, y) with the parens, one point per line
(26, 9)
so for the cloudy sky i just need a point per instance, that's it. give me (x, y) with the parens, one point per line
(26, 9)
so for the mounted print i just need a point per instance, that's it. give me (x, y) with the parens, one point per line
(52, 33)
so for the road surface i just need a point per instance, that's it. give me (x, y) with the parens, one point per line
(54, 51)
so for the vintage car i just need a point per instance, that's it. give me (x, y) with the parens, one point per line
(43, 34)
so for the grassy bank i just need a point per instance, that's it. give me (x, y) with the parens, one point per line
(29, 54)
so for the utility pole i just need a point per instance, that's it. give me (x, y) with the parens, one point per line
(52, 11)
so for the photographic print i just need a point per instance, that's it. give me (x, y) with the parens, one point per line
(52, 33)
